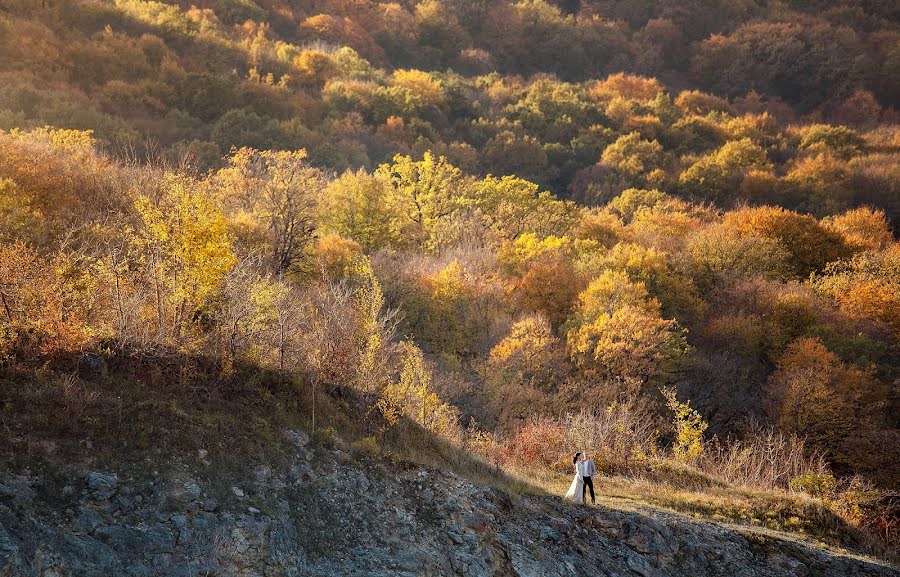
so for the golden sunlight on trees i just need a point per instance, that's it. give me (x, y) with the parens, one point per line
(652, 267)
(689, 428)
(523, 371)
(627, 86)
(279, 193)
(45, 305)
(819, 184)
(810, 244)
(718, 175)
(637, 162)
(411, 395)
(513, 206)
(531, 352)
(429, 191)
(550, 285)
(374, 330)
(719, 256)
(617, 330)
(378, 202)
(246, 312)
(439, 314)
(862, 228)
(631, 200)
(867, 286)
(184, 246)
(362, 206)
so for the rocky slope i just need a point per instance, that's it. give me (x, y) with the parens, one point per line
(324, 513)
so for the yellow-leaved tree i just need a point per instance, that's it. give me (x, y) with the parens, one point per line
(183, 243)
(374, 330)
(411, 396)
(523, 370)
(617, 331)
(429, 192)
(689, 428)
(278, 194)
(363, 207)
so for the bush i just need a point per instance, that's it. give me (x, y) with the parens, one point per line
(538, 442)
(815, 485)
(326, 437)
(365, 447)
(618, 436)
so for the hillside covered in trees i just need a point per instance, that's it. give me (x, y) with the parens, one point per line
(658, 230)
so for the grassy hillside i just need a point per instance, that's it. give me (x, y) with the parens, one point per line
(137, 416)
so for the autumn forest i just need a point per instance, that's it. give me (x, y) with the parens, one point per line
(662, 230)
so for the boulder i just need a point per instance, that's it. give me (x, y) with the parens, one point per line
(101, 486)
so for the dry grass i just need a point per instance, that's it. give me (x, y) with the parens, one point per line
(693, 493)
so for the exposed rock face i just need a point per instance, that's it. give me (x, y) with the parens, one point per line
(322, 514)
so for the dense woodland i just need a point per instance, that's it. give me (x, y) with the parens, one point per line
(497, 219)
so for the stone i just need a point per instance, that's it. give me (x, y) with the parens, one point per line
(17, 490)
(297, 439)
(550, 534)
(470, 565)
(140, 571)
(184, 491)
(159, 539)
(322, 529)
(640, 566)
(88, 519)
(262, 473)
(124, 504)
(179, 520)
(301, 472)
(193, 569)
(237, 491)
(101, 486)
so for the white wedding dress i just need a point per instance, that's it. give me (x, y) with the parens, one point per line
(576, 490)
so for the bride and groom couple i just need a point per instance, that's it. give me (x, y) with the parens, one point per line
(584, 470)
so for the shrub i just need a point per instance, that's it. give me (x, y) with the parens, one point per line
(618, 436)
(365, 447)
(689, 428)
(766, 459)
(539, 442)
(815, 485)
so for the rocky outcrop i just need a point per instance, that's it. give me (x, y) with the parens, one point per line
(322, 513)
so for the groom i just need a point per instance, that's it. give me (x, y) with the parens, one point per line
(587, 470)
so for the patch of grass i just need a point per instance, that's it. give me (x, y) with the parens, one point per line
(795, 513)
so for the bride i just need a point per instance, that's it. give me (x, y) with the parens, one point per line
(576, 490)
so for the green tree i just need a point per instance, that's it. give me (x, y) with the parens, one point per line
(718, 175)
